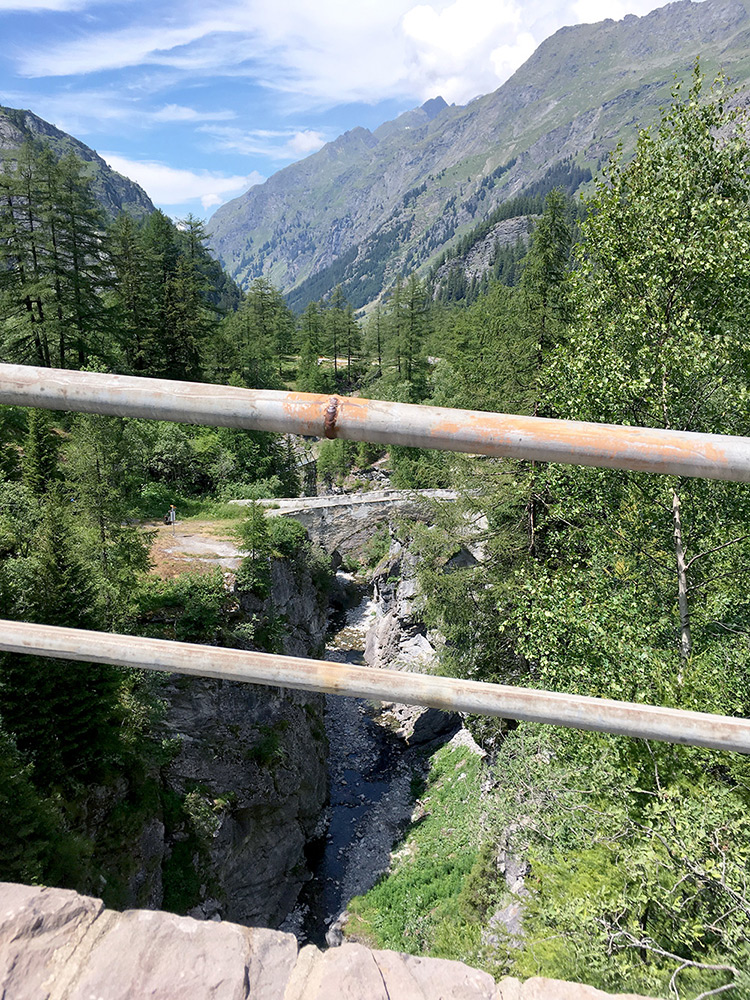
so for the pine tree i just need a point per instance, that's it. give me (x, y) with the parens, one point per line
(39, 462)
(25, 284)
(64, 716)
(241, 347)
(395, 326)
(271, 319)
(105, 464)
(53, 261)
(312, 328)
(545, 298)
(374, 336)
(353, 342)
(414, 327)
(336, 326)
(255, 570)
(82, 264)
(159, 240)
(310, 377)
(132, 296)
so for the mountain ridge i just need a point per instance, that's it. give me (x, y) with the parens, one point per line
(391, 200)
(115, 192)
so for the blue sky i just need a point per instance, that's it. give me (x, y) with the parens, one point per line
(197, 100)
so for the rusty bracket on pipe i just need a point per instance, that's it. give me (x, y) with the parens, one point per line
(332, 412)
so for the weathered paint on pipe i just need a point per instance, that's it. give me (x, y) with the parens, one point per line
(446, 693)
(711, 456)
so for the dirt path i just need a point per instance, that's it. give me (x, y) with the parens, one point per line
(192, 546)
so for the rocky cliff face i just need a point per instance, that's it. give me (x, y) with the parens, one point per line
(372, 204)
(483, 253)
(297, 603)
(251, 769)
(399, 640)
(245, 784)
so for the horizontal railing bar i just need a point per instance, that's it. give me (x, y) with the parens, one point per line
(447, 693)
(679, 453)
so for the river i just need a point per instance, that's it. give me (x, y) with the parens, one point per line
(371, 776)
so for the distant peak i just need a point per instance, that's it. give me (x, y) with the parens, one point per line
(433, 107)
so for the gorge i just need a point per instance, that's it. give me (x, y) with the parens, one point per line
(252, 761)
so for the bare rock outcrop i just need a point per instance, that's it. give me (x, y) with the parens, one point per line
(243, 762)
(250, 768)
(57, 945)
(252, 762)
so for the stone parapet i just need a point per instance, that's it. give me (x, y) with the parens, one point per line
(58, 945)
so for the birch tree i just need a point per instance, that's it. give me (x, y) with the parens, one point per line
(663, 289)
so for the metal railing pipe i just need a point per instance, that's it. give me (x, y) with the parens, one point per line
(712, 456)
(446, 693)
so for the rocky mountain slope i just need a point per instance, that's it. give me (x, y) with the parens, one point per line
(115, 192)
(371, 204)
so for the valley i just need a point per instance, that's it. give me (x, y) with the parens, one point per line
(575, 246)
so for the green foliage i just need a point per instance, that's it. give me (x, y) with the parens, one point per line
(637, 853)
(335, 460)
(377, 547)
(488, 356)
(664, 279)
(35, 845)
(189, 608)
(13, 428)
(415, 907)
(310, 375)
(191, 822)
(252, 340)
(286, 536)
(225, 462)
(268, 748)
(141, 298)
(254, 573)
(51, 265)
(636, 863)
(64, 716)
(39, 462)
(104, 464)
(419, 468)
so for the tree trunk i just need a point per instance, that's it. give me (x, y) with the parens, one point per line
(682, 587)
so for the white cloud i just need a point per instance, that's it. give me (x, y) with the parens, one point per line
(460, 28)
(81, 112)
(166, 185)
(38, 5)
(506, 59)
(286, 144)
(304, 142)
(463, 34)
(113, 49)
(326, 53)
(179, 113)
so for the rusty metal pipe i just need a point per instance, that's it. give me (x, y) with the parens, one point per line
(712, 456)
(446, 693)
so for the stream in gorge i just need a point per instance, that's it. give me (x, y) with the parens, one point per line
(371, 771)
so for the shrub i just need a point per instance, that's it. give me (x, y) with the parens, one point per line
(286, 536)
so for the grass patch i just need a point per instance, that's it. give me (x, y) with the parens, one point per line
(154, 499)
(211, 510)
(416, 907)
